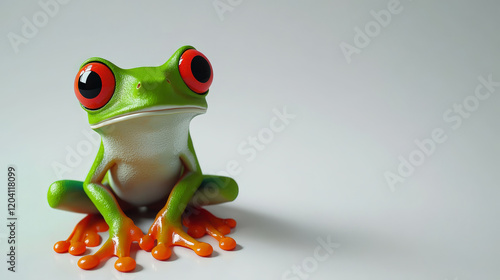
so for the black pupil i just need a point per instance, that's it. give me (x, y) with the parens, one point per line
(89, 84)
(201, 69)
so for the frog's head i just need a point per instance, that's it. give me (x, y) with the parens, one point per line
(111, 94)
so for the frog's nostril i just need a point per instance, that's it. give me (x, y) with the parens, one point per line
(138, 85)
(168, 81)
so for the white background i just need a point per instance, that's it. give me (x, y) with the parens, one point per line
(322, 176)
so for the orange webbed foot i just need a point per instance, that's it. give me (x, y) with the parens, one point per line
(118, 244)
(200, 222)
(166, 235)
(85, 234)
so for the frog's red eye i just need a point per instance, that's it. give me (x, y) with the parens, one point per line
(94, 85)
(196, 71)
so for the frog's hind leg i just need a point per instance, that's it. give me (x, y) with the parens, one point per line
(213, 190)
(69, 195)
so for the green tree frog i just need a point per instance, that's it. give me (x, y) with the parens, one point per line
(146, 159)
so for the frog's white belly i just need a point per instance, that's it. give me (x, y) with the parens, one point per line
(145, 154)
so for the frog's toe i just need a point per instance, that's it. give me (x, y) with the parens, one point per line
(161, 252)
(196, 231)
(224, 229)
(100, 225)
(88, 262)
(227, 243)
(62, 246)
(77, 248)
(230, 222)
(203, 249)
(147, 242)
(92, 239)
(125, 264)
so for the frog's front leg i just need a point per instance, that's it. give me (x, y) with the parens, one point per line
(122, 231)
(167, 228)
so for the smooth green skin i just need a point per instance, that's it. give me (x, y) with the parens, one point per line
(94, 194)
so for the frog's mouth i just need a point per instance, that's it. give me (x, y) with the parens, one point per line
(153, 111)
